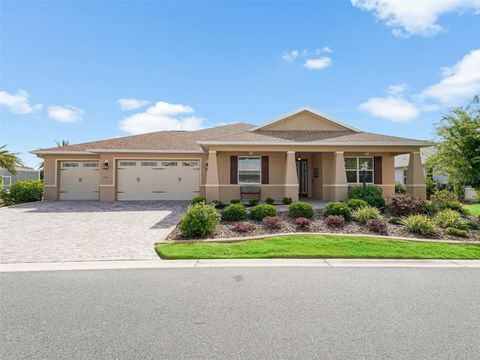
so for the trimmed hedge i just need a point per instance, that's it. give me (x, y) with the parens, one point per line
(337, 208)
(234, 212)
(258, 212)
(24, 191)
(355, 204)
(199, 220)
(199, 199)
(301, 209)
(372, 195)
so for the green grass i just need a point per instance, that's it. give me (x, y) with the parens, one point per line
(319, 246)
(474, 209)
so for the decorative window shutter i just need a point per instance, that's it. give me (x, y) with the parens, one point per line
(233, 169)
(265, 170)
(377, 164)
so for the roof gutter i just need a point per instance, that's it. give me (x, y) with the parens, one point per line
(97, 151)
(363, 143)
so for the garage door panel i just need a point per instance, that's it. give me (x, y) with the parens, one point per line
(79, 180)
(158, 180)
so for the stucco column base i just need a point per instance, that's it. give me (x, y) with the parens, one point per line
(212, 193)
(340, 193)
(107, 193)
(291, 191)
(50, 193)
(419, 191)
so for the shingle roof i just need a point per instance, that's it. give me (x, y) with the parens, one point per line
(234, 133)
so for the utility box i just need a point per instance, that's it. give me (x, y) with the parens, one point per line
(471, 195)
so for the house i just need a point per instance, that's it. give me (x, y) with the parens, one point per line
(23, 173)
(302, 154)
(401, 166)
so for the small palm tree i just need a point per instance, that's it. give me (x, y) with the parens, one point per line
(9, 160)
(62, 143)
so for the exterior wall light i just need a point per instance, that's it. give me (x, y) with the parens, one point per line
(106, 164)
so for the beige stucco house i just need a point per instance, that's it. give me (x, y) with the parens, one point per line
(302, 154)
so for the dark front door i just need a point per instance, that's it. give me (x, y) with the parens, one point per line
(302, 174)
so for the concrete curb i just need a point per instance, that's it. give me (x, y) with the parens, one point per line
(223, 263)
(257, 237)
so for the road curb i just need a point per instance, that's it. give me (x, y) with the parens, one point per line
(222, 263)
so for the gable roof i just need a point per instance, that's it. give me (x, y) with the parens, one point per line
(319, 115)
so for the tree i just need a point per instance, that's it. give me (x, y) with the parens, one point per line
(9, 160)
(62, 143)
(458, 146)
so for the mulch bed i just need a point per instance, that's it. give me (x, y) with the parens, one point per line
(225, 230)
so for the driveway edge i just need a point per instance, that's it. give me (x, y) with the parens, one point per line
(220, 263)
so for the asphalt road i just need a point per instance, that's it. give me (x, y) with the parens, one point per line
(242, 313)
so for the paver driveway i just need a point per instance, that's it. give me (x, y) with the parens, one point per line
(85, 230)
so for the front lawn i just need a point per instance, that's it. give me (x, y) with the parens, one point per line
(319, 246)
(474, 209)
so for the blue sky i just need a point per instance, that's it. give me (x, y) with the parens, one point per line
(381, 66)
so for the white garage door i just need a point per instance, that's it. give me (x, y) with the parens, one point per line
(158, 179)
(79, 180)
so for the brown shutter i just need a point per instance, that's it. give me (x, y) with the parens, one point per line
(233, 169)
(265, 172)
(377, 164)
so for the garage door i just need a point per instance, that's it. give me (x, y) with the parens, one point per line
(158, 179)
(79, 180)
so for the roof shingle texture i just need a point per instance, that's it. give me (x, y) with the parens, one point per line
(188, 140)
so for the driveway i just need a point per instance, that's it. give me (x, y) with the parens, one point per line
(57, 231)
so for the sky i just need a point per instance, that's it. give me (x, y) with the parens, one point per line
(84, 71)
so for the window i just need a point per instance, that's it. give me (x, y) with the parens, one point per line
(249, 170)
(190, 163)
(90, 164)
(169, 163)
(128, 163)
(405, 176)
(148, 163)
(7, 180)
(354, 169)
(70, 164)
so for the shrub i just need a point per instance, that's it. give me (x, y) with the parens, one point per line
(335, 221)
(301, 209)
(450, 218)
(235, 201)
(400, 188)
(258, 212)
(457, 232)
(199, 199)
(443, 195)
(25, 191)
(302, 222)
(473, 225)
(354, 204)
(253, 202)
(338, 208)
(405, 204)
(243, 227)
(372, 194)
(287, 200)
(377, 225)
(430, 208)
(5, 198)
(199, 220)
(452, 205)
(269, 200)
(234, 212)
(272, 222)
(420, 224)
(366, 213)
(395, 220)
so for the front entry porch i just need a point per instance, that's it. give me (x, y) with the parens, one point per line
(317, 175)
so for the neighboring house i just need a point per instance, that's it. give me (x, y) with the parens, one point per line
(401, 166)
(23, 173)
(304, 153)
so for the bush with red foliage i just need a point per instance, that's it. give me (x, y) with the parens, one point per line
(405, 204)
(335, 221)
(302, 222)
(377, 225)
(243, 227)
(272, 222)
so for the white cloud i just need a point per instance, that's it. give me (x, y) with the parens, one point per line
(324, 49)
(318, 64)
(393, 107)
(290, 56)
(66, 114)
(460, 82)
(18, 103)
(414, 17)
(162, 116)
(131, 104)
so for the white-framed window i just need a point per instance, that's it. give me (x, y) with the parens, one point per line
(149, 163)
(189, 163)
(353, 168)
(7, 180)
(405, 176)
(249, 170)
(169, 163)
(90, 164)
(70, 164)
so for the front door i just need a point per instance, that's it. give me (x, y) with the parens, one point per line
(302, 174)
